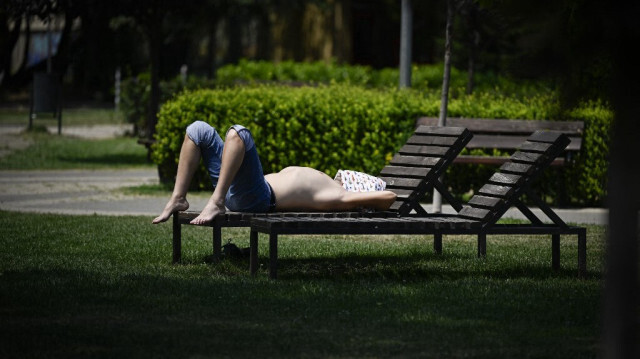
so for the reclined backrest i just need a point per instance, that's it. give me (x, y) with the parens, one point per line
(420, 162)
(514, 177)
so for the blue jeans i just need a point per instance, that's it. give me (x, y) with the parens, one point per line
(249, 191)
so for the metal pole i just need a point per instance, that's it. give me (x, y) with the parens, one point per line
(118, 84)
(49, 45)
(442, 119)
(406, 27)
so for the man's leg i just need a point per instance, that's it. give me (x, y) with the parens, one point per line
(187, 165)
(379, 200)
(232, 156)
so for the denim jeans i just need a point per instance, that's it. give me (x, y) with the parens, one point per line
(249, 191)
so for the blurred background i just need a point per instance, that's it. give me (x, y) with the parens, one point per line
(91, 42)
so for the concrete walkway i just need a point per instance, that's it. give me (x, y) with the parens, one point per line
(82, 192)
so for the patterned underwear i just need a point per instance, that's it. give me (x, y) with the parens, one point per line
(354, 181)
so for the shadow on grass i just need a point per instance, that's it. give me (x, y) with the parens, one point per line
(401, 268)
(124, 159)
(80, 312)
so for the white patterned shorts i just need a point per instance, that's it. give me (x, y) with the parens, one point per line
(354, 181)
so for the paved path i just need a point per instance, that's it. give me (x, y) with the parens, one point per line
(88, 131)
(82, 192)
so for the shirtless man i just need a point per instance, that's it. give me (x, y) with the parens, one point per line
(236, 173)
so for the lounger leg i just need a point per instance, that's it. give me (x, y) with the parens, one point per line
(482, 245)
(253, 252)
(217, 242)
(273, 255)
(555, 251)
(177, 239)
(437, 243)
(582, 253)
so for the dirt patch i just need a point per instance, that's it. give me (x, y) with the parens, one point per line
(11, 143)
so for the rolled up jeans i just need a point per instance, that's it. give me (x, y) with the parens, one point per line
(249, 191)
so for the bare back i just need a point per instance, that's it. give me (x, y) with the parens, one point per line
(307, 189)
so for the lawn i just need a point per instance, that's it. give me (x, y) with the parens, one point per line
(79, 286)
(60, 152)
(70, 116)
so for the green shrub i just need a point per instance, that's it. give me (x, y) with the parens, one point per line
(326, 127)
(293, 72)
(424, 77)
(589, 176)
(344, 126)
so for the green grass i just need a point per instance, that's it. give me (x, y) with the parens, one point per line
(59, 152)
(70, 116)
(79, 286)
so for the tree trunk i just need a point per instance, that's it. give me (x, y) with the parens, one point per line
(155, 44)
(9, 40)
(621, 286)
(61, 59)
(473, 42)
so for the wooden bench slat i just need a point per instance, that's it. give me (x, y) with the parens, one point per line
(524, 127)
(415, 172)
(402, 182)
(415, 160)
(539, 147)
(484, 201)
(517, 168)
(545, 136)
(475, 213)
(441, 130)
(510, 142)
(527, 157)
(432, 140)
(506, 179)
(423, 150)
(489, 160)
(495, 190)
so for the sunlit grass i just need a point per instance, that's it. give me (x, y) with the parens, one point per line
(70, 116)
(59, 152)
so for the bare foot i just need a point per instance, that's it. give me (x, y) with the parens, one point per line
(174, 205)
(210, 211)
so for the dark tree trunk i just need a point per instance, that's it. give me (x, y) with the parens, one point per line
(473, 42)
(9, 40)
(155, 43)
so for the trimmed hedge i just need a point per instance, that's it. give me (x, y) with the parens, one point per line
(344, 126)
(423, 77)
(327, 128)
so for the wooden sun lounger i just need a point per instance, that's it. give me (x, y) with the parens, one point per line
(412, 172)
(503, 190)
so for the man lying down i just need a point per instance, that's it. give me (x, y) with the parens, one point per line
(236, 174)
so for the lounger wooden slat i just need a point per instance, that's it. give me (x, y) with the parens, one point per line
(398, 182)
(414, 161)
(423, 150)
(432, 140)
(411, 172)
(506, 179)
